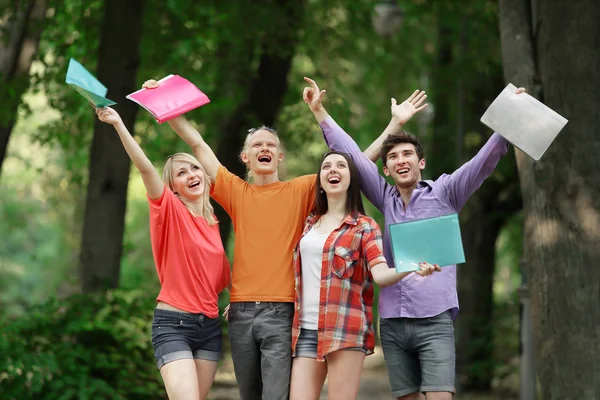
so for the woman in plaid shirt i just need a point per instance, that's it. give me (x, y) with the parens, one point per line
(337, 259)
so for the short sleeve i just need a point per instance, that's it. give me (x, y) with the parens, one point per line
(372, 243)
(224, 189)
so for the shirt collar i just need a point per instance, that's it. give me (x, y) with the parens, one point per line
(421, 185)
(351, 219)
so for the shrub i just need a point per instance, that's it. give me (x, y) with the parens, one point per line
(84, 347)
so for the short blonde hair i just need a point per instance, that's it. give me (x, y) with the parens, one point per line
(208, 212)
(248, 140)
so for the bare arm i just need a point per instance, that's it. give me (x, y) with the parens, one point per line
(192, 137)
(372, 152)
(401, 114)
(385, 276)
(154, 185)
(200, 148)
(314, 98)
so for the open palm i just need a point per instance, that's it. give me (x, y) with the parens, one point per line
(404, 111)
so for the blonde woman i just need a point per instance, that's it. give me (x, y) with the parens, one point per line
(191, 264)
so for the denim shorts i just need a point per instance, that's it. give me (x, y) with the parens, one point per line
(306, 346)
(179, 335)
(419, 353)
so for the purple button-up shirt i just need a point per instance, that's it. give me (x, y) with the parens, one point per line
(416, 296)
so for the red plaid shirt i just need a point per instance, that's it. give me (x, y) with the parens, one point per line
(346, 294)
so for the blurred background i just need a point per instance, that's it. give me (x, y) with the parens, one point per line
(77, 278)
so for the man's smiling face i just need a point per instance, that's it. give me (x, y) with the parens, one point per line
(403, 165)
(263, 153)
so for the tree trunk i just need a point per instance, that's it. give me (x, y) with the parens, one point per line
(443, 89)
(104, 220)
(484, 215)
(23, 28)
(475, 285)
(265, 97)
(488, 210)
(561, 191)
(456, 119)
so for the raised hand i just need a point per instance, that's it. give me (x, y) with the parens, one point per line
(404, 111)
(312, 95)
(427, 269)
(108, 115)
(150, 84)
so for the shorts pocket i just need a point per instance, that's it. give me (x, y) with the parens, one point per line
(344, 261)
(160, 323)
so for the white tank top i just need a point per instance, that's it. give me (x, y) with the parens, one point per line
(311, 256)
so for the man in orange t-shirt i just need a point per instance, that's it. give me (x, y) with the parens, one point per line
(268, 216)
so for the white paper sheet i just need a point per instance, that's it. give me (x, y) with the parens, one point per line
(524, 121)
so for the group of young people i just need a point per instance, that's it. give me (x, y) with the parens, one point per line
(305, 259)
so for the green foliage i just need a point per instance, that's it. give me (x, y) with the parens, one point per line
(29, 250)
(82, 347)
(217, 46)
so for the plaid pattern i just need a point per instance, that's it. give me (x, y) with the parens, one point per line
(346, 293)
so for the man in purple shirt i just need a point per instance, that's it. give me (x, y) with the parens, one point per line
(417, 314)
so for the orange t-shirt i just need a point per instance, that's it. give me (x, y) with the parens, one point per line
(190, 260)
(267, 221)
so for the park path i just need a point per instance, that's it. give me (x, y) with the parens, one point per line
(373, 386)
(373, 383)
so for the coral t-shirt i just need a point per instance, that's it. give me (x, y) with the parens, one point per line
(267, 221)
(190, 260)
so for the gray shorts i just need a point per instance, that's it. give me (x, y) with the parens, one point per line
(179, 335)
(306, 346)
(419, 353)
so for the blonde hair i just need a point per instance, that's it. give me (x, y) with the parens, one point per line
(208, 212)
(248, 140)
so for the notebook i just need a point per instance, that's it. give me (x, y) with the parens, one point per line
(173, 97)
(524, 121)
(87, 84)
(434, 240)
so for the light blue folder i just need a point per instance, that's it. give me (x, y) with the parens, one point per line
(87, 84)
(434, 240)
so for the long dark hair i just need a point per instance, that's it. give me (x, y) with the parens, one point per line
(354, 203)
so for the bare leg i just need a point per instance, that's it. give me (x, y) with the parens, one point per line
(308, 376)
(438, 396)
(205, 371)
(412, 396)
(180, 379)
(343, 373)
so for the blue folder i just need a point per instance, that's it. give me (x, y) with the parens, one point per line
(434, 240)
(87, 84)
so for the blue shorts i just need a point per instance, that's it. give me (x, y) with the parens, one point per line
(306, 346)
(179, 335)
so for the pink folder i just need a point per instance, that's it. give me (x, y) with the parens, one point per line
(174, 96)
